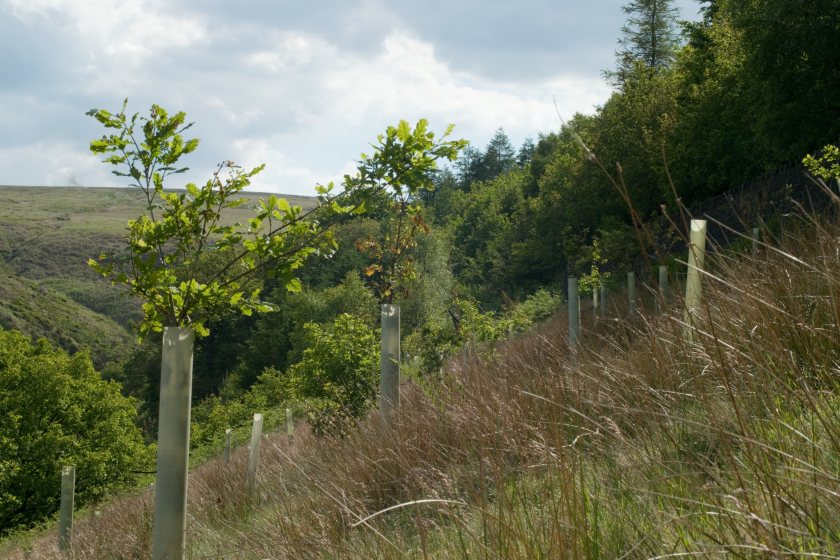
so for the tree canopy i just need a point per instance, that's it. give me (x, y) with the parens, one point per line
(56, 410)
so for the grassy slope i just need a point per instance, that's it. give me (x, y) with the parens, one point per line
(647, 444)
(23, 305)
(46, 287)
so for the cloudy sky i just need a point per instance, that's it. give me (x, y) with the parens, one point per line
(302, 87)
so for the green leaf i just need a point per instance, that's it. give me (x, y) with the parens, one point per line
(294, 285)
(403, 131)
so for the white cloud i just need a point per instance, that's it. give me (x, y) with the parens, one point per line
(119, 37)
(27, 9)
(303, 94)
(280, 170)
(117, 27)
(60, 164)
(343, 100)
(407, 80)
(290, 51)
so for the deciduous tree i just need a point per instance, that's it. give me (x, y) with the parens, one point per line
(56, 410)
(402, 164)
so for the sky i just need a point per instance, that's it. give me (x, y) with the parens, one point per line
(303, 87)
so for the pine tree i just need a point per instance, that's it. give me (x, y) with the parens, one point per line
(649, 37)
(467, 167)
(526, 152)
(499, 157)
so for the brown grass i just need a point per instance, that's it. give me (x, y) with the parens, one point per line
(642, 445)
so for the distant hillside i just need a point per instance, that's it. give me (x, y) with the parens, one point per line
(46, 288)
(42, 310)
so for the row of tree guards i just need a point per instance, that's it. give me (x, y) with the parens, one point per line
(170, 494)
(693, 285)
(68, 477)
(181, 300)
(169, 528)
(390, 346)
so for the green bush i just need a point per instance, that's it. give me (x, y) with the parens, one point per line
(826, 165)
(335, 381)
(338, 373)
(438, 340)
(56, 410)
(537, 307)
(278, 339)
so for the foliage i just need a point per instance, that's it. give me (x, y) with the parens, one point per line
(790, 72)
(56, 410)
(498, 158)
(467, 166)
(712, 138)
(590, 281)
(185, 265)
(630, 137)
(526, 152)
(617, 247)
(139, 377)
(758, 87)
(46, 287)
(536, 308)
(278, 339)
(470, 326)
(748, 92)
(825, 166)
(333, 268)
(402, 164)
(433, 288)
(338, 371)
(238, 349)
(232, 359)
(484, 232)
(213, 415)
(335, 381)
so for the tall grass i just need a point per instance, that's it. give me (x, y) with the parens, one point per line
(645, 444)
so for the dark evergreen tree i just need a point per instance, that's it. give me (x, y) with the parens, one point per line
(499, 157)
(526, 152)
(467, 167)
(649, 38)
